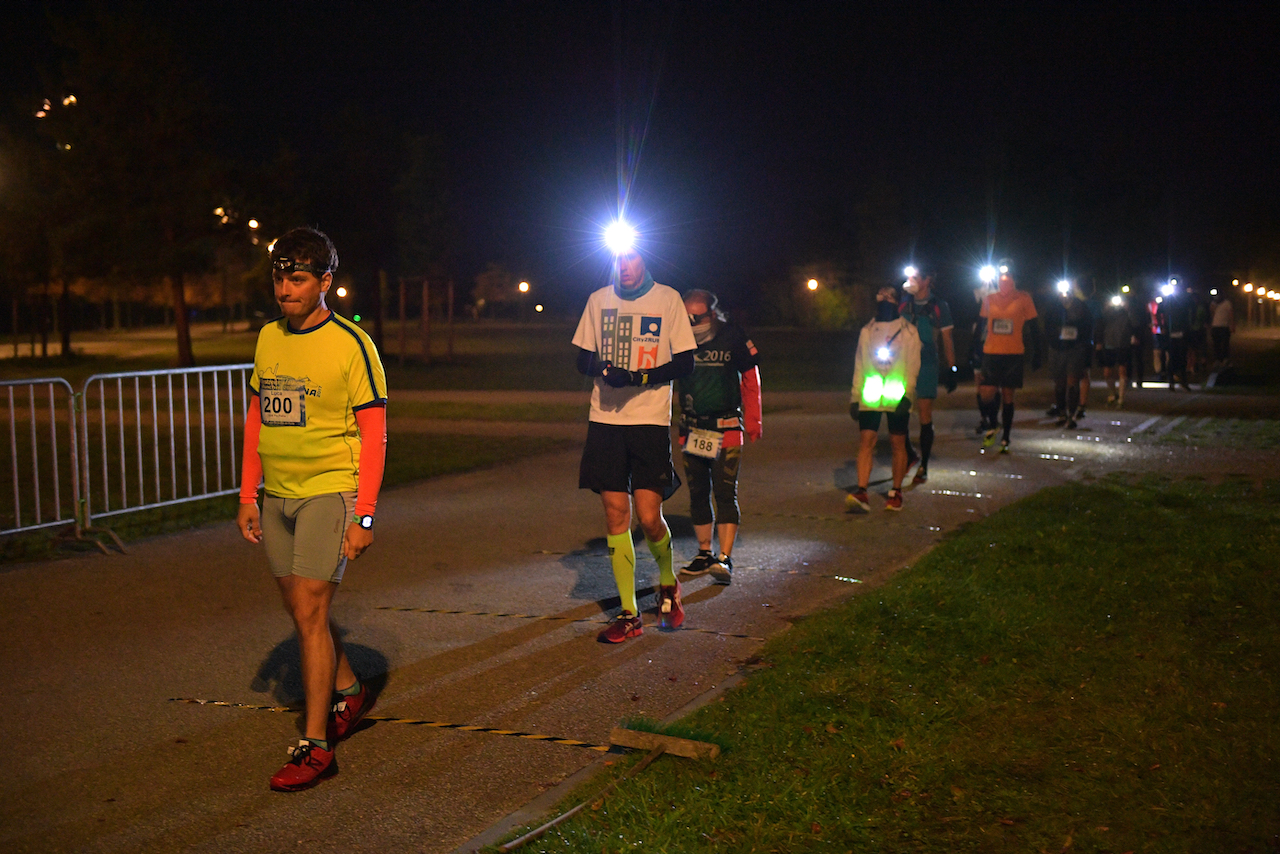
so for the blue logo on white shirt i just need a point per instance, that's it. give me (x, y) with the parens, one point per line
(650, 325)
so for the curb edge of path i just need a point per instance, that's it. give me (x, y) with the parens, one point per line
(540, 806)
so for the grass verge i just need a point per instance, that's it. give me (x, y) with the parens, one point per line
(410, 457)
(1091, 669)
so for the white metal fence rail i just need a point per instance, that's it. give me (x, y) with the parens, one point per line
(155, 438)
(43, 465)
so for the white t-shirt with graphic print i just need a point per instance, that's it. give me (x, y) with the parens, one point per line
(637, 335)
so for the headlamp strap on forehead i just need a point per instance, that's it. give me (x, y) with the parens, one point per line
(284, 264)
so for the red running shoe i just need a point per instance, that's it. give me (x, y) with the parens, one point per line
(348, 712)
(308, 766)
(670, 610)
(858, 501)
(625, 625)
(893, 501)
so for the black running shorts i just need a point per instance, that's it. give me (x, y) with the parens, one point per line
(869, 419)
(624, 458)
(1111, 357)
(1002, 371)
(1069, 362)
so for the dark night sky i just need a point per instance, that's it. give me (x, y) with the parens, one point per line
(1115, 138)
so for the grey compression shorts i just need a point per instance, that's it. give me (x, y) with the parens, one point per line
(303, 536)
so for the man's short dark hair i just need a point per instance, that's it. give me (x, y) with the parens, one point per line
(307, 245)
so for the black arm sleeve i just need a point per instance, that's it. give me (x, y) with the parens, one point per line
(1032, 339)
(681, 365)
(588, 364)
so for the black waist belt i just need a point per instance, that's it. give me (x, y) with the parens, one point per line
(719, 423)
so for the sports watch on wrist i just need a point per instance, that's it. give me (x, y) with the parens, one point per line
(365, 522)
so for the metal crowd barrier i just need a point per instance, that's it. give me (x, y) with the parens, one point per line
(156, 438)
(43, 465)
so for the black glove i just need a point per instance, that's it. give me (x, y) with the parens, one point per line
(853, 410)
(950, 379)
(616, 377)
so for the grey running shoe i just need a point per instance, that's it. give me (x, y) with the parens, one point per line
(722, 570)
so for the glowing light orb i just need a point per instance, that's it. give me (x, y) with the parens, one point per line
(620, 237)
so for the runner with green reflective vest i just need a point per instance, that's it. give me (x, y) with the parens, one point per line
(885, 369)
(886, 365)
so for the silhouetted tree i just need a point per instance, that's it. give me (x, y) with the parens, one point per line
(137, 176)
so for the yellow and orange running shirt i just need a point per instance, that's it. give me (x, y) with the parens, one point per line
(309, 385)
(1006, 315)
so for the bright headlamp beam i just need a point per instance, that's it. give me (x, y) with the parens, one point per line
(620, 238)
(1167, 290)
(1064, 287)
(910, 272)
(987, 274)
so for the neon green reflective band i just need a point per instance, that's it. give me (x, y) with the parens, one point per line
(872, 388)
(893, 391)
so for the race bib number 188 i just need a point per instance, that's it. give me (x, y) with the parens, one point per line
(703, 443)
(283, 406)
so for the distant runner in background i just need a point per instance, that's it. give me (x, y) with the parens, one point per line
(932, 318)
(1008, 314)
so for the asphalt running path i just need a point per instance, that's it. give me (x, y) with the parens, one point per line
(102, 759)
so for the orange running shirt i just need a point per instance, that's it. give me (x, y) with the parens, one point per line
(1006, 316)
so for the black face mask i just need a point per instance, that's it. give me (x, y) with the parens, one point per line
(886, 311)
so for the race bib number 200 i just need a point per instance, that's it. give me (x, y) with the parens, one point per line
(284, 404)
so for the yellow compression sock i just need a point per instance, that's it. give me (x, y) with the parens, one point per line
(622, 554)
(661, 551)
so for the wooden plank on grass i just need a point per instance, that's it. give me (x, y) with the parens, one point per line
(669, 743)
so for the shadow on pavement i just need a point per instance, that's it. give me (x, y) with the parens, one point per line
(280, 673)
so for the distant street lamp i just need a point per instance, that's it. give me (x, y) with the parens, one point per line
(523, 305)
(235, 227)
(342, 292)
(812, 284)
